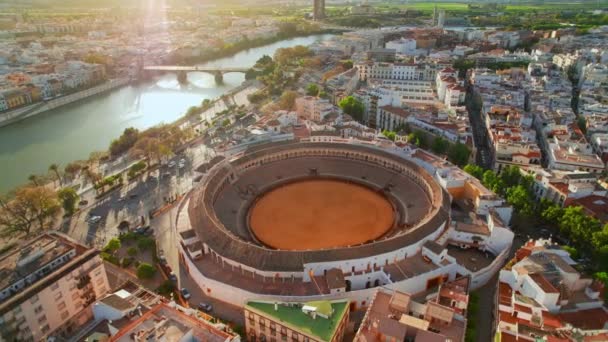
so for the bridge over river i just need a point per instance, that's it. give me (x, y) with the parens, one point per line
(217, 72)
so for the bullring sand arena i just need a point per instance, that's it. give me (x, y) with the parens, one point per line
(320, 214)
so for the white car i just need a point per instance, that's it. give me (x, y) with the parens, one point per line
(171, 163)
(94, 219)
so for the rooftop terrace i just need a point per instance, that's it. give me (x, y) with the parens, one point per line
(294, 317)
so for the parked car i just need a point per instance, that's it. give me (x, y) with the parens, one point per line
(83, 203)
(143, 230)
(171, 163)
(185, 293)
(94, 219)
(173, 277)
(205, 307)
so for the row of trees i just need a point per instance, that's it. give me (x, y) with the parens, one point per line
(585, 232)
(457, 153)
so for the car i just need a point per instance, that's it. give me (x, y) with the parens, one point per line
(83, 202)
(143, 230)
(121, 199)
(182, 161)
(167, 174)
(181, 166)
(94, 219)
(171, 164)
(205, 307)
(185, 293)
(173, 277)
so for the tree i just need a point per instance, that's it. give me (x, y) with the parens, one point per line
(71, 169)
(582, 124)
(493, 182)
(312, 90)
(474, 170)
(288, 100)
(145, 271)
(127, 139)
(346, 64)
(32, 207)
(34, 179)
(459, 154)
(69, 198)
(55, 169)
(519, 198)
(389, 134)
(193, 112)
(417, 138)
(112, 246)
(352, 107)
(511, 176)
(440, 145)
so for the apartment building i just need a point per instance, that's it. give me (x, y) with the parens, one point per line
(48, 285)
(513, 141)
(304, 322)
(542, 296)
(395, 71)
(314, 108)
(396, 316)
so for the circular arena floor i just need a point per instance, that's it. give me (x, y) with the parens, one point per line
(320, 214)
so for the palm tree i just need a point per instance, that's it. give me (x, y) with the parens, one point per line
(34, 179)
(55, 169)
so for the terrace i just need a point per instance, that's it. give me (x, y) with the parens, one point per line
(295, 318)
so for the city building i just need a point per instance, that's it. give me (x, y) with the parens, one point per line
(396, 316)
(133, 313)
(314, 108)
(304, 322)
(48, 286)
(542, 296)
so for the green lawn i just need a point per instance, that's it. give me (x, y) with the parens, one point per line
(293, 317)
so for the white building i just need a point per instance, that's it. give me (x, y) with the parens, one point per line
(403, 46)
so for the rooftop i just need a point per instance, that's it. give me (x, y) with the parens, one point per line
(293, 316)
(163, 322)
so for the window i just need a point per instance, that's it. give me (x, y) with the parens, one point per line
(75, 295)
(34, 299)
(283, 331)
(38, 309)
(58, 296)
(55, 286)
(64, 315)
(45, 329)
(61, 306)
(42, 319)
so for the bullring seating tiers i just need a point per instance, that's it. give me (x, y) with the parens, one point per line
(219, 206)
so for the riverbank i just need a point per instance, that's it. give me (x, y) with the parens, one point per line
(73, 131)
(250, 44)
(23, 113)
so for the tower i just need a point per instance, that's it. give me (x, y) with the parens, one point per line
(441, 19)
(318, 9)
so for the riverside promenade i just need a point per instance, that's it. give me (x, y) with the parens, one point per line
(23, 113)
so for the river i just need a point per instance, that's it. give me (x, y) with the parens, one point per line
(72, 132)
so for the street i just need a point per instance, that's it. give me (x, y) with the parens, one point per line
(166, 237)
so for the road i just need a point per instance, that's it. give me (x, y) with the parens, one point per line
(480, 135)
(167, 239)
(133, 201)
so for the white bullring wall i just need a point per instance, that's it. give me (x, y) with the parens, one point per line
(239, 297)
(363, 263)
